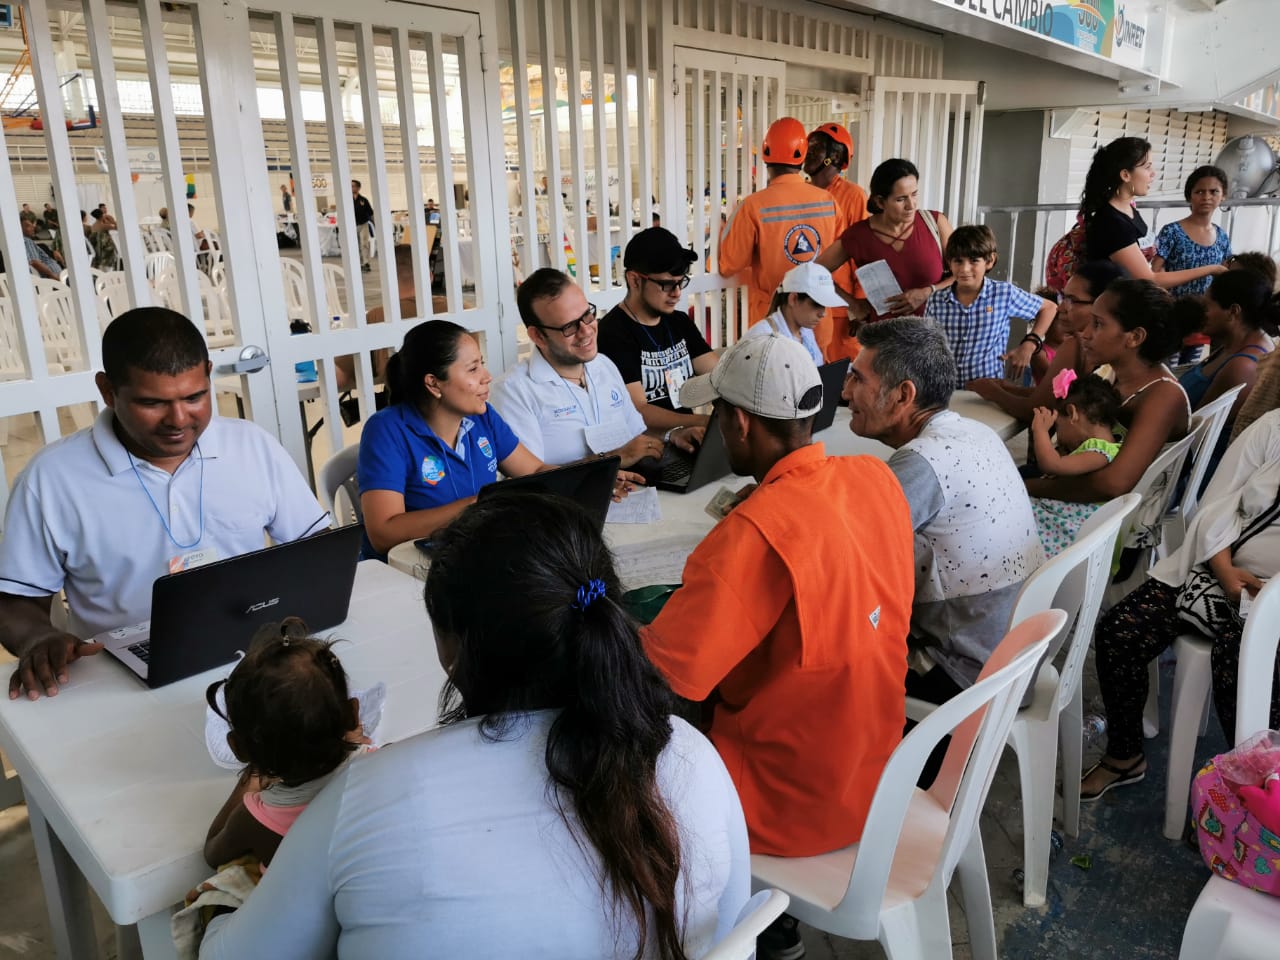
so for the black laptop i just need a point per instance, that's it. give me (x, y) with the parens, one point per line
(202, 617)
(832, 375)
(683, 472)
(589, 484)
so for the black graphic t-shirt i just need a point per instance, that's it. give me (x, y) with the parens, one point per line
(659, 357)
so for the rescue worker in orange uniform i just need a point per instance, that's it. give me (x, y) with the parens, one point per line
(787, 223)
(830, 154)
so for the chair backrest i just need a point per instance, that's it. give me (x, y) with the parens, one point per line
(756, 914)
(12, 365)
(1257, 670)
(158, 266)
(295, 289)
(59, 327)
(1086, 584)
(335, 289)
(1159, 483)
(978, 720)
(1210, 420)
(339, 473)
(113, 296)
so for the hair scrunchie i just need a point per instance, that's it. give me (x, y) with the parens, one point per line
(588, 594)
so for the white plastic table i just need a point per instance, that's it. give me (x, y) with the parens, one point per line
(653, 553)
(119, 785)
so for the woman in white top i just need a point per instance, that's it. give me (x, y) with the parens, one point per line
(798, 306)
(560, 811)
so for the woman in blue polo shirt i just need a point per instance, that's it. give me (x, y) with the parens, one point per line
(424, 458)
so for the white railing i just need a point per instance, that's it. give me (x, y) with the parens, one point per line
(1026, 233)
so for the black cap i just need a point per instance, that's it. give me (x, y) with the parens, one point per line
(656, 250)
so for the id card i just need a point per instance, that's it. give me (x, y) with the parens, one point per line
(189, 561)
(675, 377)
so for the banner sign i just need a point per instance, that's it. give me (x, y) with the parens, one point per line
(1115, 29)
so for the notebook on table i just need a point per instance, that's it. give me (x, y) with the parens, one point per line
(684, 472)
(832, 375)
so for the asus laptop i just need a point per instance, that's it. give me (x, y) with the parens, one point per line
(832, 375)
(200, 618)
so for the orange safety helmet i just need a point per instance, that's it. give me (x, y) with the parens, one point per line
(786, 142)
(841, 136)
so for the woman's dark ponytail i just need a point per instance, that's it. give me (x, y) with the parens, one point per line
(1103, 178)
(560, 639)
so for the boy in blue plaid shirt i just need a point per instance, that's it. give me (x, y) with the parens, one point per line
(976, 311)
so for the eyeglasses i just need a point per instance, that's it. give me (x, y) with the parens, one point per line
(570, 329)
(1069, 301)
(668, 286)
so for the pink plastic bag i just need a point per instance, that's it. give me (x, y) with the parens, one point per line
(1233, 842)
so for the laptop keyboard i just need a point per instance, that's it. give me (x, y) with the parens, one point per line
(141, 650)
(677, 470)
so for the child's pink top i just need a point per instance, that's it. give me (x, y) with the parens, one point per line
(1049, 354)
(276, 819)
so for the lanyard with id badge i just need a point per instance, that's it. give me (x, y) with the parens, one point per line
(189, 557)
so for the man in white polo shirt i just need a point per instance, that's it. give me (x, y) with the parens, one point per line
(156, 485)
(568, 402)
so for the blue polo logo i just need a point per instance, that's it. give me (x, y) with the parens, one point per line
(485, 447)
(432, 470)
(615, 398)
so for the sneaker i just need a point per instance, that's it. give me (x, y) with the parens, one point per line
(780, 940)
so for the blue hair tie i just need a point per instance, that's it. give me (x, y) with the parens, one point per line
(588, 594)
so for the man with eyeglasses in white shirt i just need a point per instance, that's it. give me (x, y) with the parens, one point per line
(568, 402)
(656, 347)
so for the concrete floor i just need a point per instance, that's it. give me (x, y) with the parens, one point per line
(1132, 902)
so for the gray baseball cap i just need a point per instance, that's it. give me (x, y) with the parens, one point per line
(768, 376)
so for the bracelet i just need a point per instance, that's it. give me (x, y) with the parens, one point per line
(1033, 337)
(666, 437)
(932, 289)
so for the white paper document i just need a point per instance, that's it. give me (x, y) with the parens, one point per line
(641, 506)
(603, 437)
(879, 284)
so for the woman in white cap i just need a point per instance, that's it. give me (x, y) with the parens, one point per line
(798, 306)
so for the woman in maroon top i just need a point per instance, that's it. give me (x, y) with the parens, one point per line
(897, 232)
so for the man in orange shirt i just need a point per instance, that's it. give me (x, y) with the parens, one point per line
(829, 155)
(808, 667)
(787, 223)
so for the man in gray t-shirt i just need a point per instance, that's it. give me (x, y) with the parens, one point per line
(975, 535)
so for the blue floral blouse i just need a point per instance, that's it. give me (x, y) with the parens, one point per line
(1180, 252)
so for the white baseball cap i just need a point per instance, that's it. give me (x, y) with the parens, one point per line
(768, 376)
(815, 282)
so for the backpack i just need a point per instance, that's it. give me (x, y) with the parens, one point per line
(1064, 256)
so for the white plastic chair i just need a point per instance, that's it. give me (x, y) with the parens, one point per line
(1228, 921)
(335, 290)
(1156, 487)
(339, 474)
(1189, 712)
(1209, 422)
(159, 266)
(1074, 582)
(756, 914)
(892, 886)
(295, 289)
(113, 297)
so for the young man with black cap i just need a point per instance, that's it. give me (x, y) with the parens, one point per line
(791, 652)
(655, 347)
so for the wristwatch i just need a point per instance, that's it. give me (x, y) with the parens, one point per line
(666, 437)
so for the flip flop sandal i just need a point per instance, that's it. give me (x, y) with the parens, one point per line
(1124, 776)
